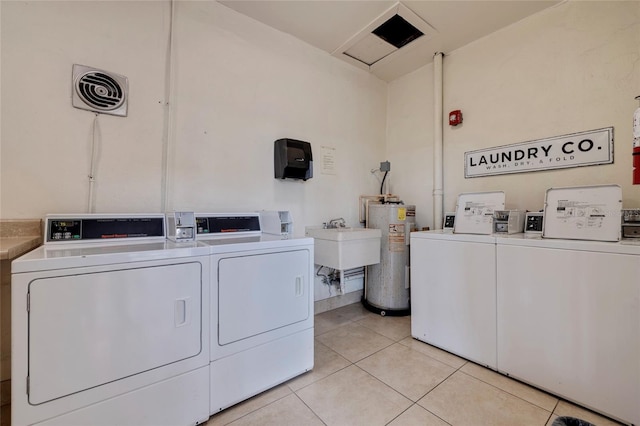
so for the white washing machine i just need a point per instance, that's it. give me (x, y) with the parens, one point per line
(453, 293)
(110, 325)
(569, 320)
(261, 306)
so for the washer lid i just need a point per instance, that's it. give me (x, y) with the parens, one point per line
(62, 256)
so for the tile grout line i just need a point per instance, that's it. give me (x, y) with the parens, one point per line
(252, 411)
(513, 394)
(351, 363)
(436, 386)
(405, 396)
(420, 406)
(441, 382)
(390, 387)
(492, 385)
(455, 369)
(310, 409)
(322, 378)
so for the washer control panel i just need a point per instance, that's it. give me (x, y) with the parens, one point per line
(449, 221)
(533, 223)
(63, 229)
(216, 224)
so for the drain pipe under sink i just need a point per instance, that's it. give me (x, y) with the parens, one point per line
(438, 158)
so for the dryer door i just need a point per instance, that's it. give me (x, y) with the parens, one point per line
(261, 292)
(93, 328)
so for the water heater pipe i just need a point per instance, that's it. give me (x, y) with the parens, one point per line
(437, 141)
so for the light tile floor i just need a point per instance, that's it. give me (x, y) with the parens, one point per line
(369, 371)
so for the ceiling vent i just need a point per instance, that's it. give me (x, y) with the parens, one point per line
(378, 42)
(99, 91)
(397, 31)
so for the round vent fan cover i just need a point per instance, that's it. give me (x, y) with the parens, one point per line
(99, 91)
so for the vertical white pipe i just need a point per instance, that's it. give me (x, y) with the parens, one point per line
(437, 141)
(168, 118)
(95, 150)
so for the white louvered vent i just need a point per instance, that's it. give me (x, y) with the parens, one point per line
(99, 91)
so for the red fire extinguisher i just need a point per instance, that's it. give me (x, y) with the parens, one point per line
(636, 145)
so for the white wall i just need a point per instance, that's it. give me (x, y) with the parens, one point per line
(410, 141)
(238, 86)
(570, 68)
(45, 141)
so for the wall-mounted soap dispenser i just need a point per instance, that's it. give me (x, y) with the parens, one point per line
(292, 159)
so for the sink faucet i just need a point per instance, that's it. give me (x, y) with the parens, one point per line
(336, 223)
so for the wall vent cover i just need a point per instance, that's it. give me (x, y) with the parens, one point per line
(99, 91)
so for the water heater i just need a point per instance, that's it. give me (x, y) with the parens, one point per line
(387, 283)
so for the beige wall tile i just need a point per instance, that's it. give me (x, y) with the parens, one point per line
(336, 302)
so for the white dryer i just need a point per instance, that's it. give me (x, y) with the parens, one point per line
(110, 325)
(261, 306)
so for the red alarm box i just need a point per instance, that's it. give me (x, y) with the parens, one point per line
(455, 117)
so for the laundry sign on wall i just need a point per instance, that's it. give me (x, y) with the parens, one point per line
(574, 150)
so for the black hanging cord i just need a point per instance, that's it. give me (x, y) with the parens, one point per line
(382, 184)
